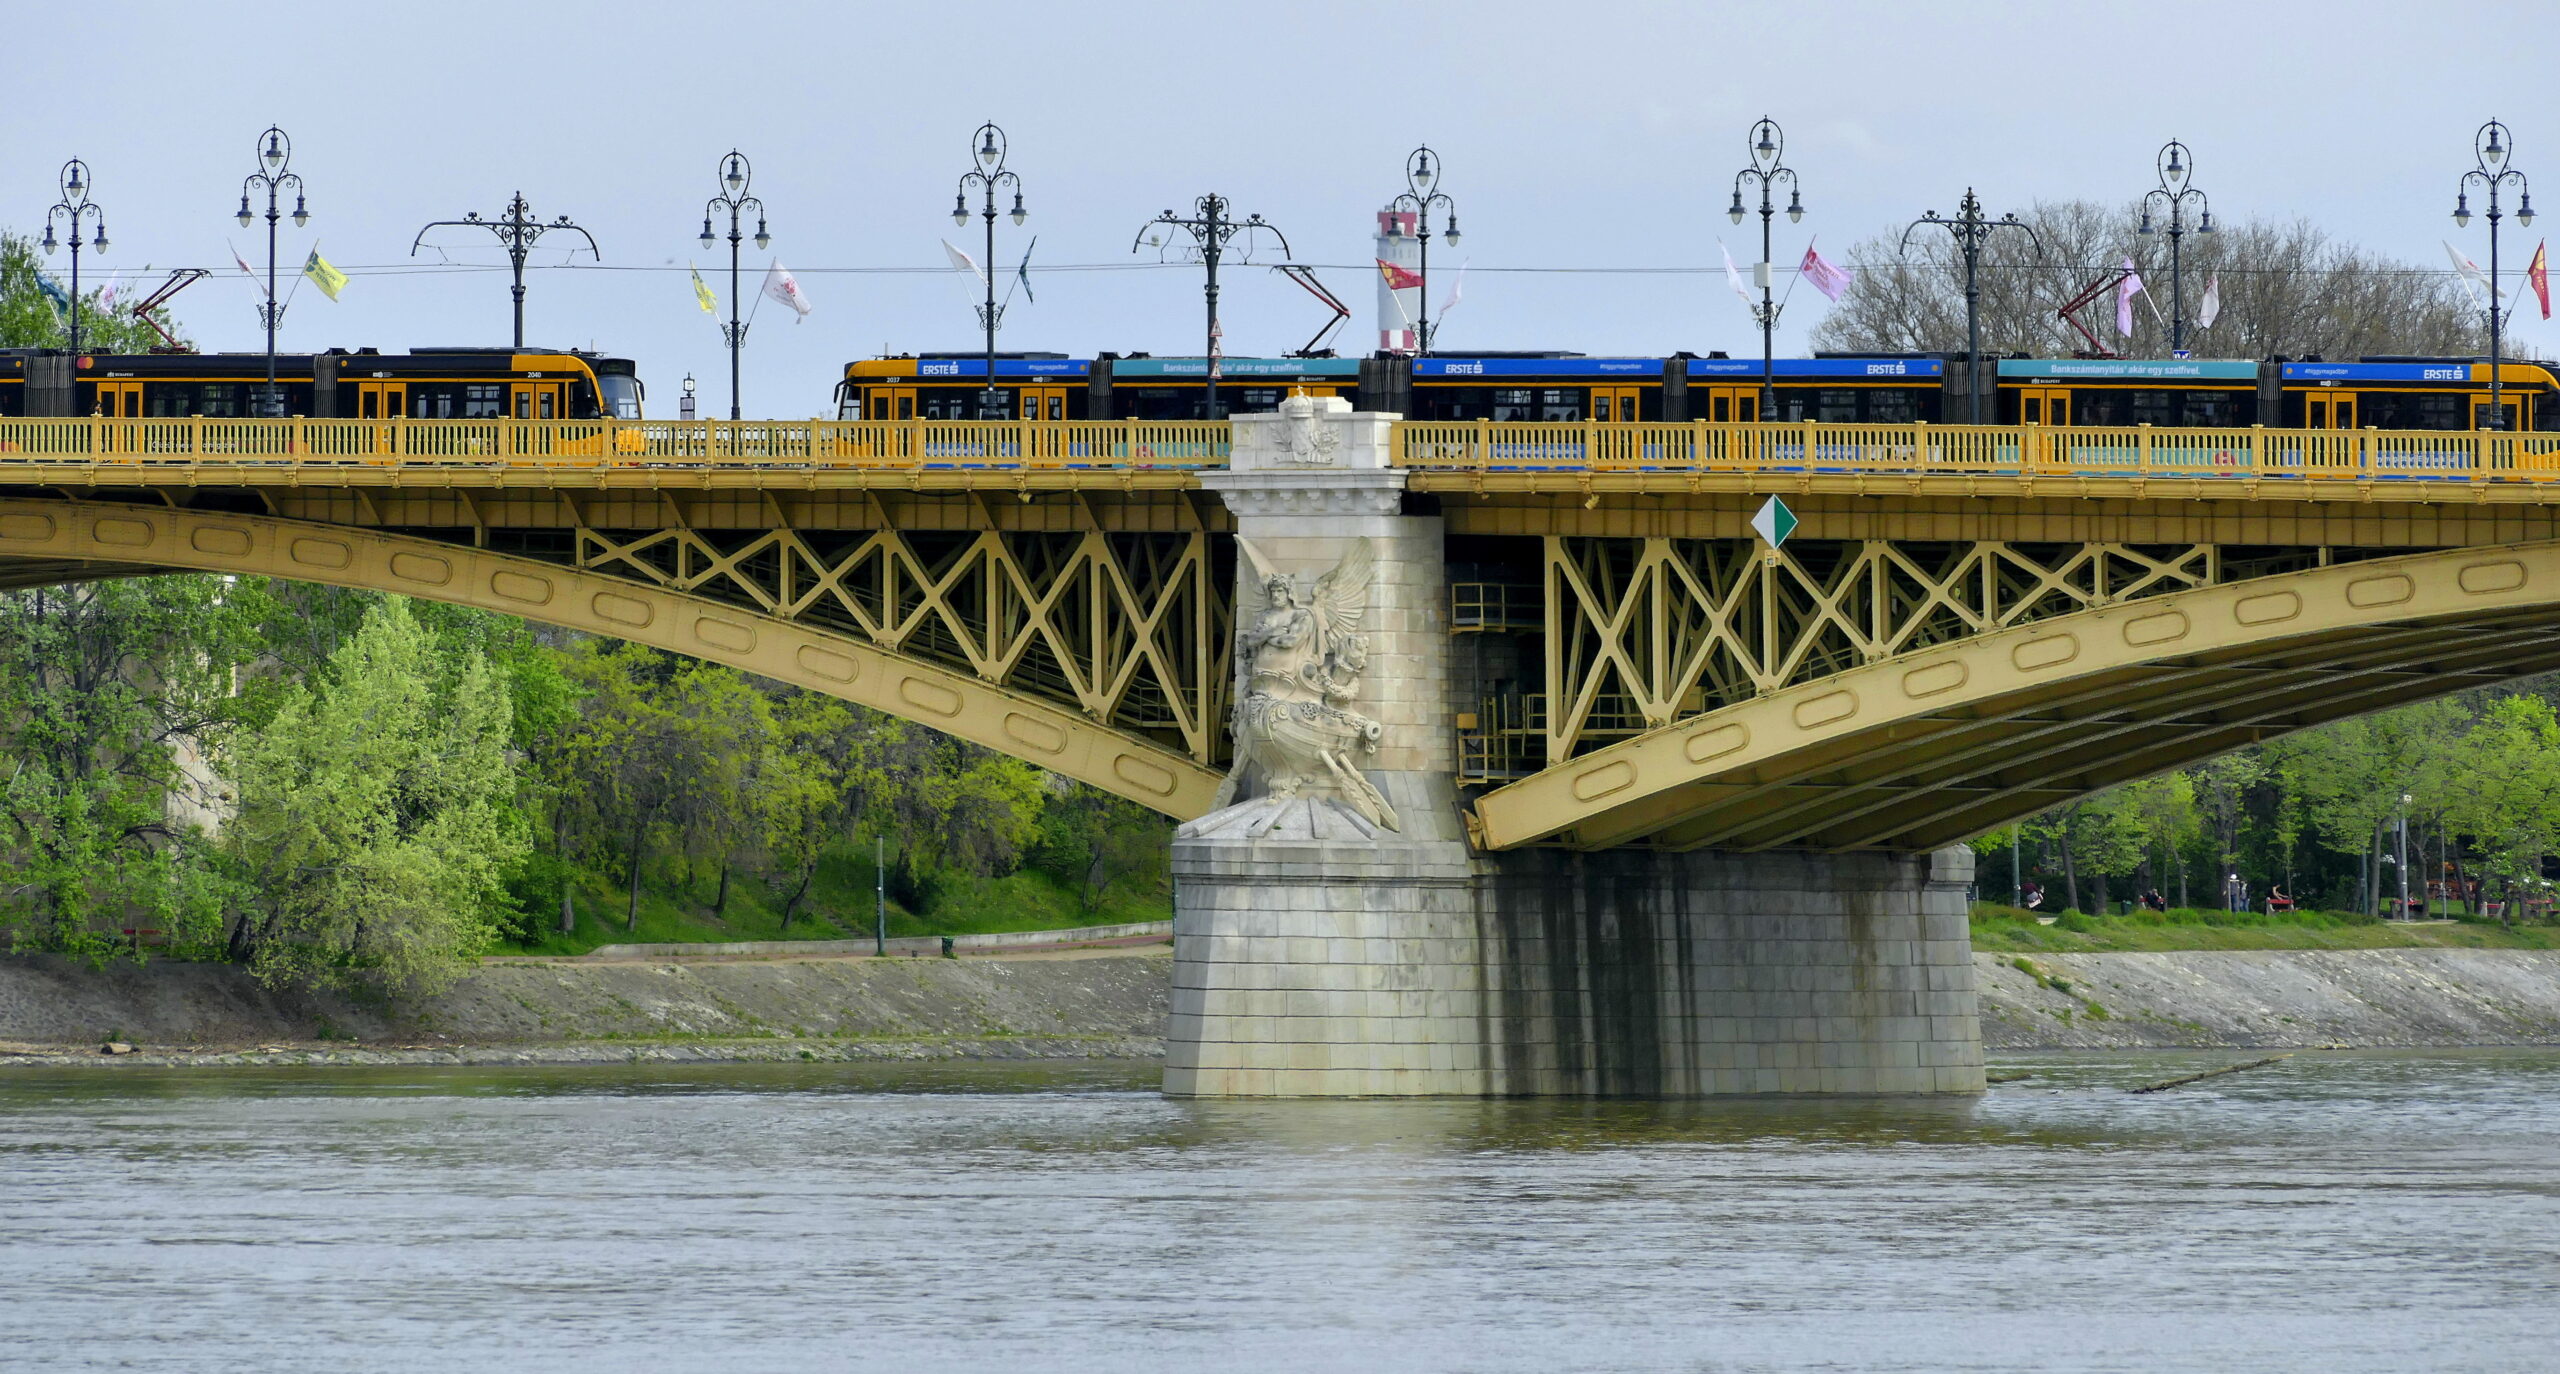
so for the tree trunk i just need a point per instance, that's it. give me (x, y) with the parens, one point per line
(568, 909)
(2461, 877)
(2183, 903)
(797, 893)
(631, 916)
(2098, 895)
(2070, 872)
(720, 903)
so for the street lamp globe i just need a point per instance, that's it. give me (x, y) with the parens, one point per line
(244, 209)
(1452, 234)
(301, 214)
(1020, 214)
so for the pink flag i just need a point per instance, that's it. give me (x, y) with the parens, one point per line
(2126, 290)
(1822, 276)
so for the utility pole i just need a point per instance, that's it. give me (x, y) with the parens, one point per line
(517, 232)
(1971, 231)
(2177, 169)
(880, 889)
(2492, 148)
(1211, 225)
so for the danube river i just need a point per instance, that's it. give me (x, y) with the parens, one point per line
(2335, 1212)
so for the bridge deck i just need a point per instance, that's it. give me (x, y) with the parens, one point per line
(2273, 463)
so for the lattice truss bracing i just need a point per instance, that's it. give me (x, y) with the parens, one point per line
(1642, 632)
(1131, 629)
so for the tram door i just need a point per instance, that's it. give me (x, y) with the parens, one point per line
(2044, 405)
(120, 400)
(538, 400)
(892, 403)
(2329, 410)
(2505, 413)
(382, 400)
(1042, 402)
(1614, 403)
(1725, 404)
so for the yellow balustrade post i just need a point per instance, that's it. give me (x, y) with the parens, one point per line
(2142, 448)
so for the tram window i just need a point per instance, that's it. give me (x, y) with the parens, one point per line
(2152, 408)
(1254, 398)
(2210, 410)
(950, 404)
(484, 401)
(219, 400)
(1513, 403)
(1892, 405)
(1560, 403)
(170, 399)
(1836, 405)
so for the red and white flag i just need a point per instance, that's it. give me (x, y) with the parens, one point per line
(2126, 290)
(2211, 310)
(1398, 278)
(2537, 274)
(1733, 278)
(783, 287)
(1822, 276)
(245, 269)
(2471, 274)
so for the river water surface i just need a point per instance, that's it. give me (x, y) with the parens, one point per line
(2336, 1212)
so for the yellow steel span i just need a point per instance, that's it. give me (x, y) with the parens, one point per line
(1971, 624)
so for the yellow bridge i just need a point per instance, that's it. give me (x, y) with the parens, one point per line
(1971, 624)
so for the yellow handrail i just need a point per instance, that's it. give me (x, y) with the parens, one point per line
(616, 443)
(1476, 445)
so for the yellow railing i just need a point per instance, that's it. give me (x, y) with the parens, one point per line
(2141, 450)
(1482, 445)
(616, 443)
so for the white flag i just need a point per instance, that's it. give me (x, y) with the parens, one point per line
(1733, 278)
(2211, 309)
(2126, 290)
(963, 262)
(2468, 270)
(1457, 290)
(782, 286)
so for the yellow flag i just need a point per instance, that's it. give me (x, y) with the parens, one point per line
(329, 279)
(702, 293)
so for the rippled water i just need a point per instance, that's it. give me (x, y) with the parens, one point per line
(2338, 1212)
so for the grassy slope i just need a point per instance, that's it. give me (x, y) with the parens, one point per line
(839, 906)
(2002, 929)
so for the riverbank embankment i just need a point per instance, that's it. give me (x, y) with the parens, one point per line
(1112, 1003)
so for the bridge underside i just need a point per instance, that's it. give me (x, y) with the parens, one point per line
(1922, 749)
(1092, 653)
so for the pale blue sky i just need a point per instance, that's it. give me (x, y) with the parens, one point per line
(1592, 135)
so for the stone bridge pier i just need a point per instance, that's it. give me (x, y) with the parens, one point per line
(1335, 933)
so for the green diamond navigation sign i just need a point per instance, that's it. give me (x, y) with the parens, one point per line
(1774, 522)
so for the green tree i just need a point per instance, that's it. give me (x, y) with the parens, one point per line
(377, 815)
(2351, 775)
(2506, 792)
(116, 697)
(29, 318)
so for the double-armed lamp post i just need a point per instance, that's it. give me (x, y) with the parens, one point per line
(1212, 225)
(275, 159)
(2492, 149)
(1768, 142)
(75, 206)
(987, 176)
(736, 175)
(517, 231)
(1420, 177)
(1971, 231)
(2177, 169)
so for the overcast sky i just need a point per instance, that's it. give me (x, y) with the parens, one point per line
(1576, 137)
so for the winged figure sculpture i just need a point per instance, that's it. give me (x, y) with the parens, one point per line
(1299, 658)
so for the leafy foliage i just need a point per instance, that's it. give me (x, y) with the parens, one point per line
(30, 319)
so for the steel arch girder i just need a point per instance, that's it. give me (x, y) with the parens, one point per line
(1790, 742)
(83, 540)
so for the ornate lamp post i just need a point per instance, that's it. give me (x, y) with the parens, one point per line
(2177, 167)
(273, 177)
(987, 175)
(75, 204)
(736, 174)
(1211, 225)
(1970, 231)
(2492, 148)
(1419, 175)
(517, 232)
(1768, 141)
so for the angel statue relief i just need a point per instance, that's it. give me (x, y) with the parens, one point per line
(1298, 666)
